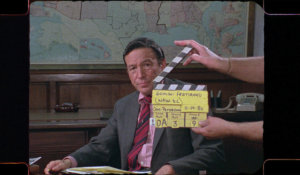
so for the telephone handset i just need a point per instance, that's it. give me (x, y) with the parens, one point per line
(245, 102)
(249, 102)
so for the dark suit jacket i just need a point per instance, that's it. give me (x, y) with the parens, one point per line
(186, 151)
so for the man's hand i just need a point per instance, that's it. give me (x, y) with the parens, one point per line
(166, 169)
(214, 128)
(201, 54)
(57, 165)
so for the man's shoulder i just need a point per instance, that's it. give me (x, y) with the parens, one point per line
(128, 98)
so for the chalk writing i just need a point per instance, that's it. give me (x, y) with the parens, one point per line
(179, 108)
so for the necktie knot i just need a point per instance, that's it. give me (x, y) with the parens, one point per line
(147, 100)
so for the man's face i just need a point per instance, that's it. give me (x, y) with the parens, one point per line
(142, 68)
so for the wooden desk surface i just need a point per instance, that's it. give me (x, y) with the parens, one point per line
(80, 119)
(240, 116)
(67, 124)
(82, 114)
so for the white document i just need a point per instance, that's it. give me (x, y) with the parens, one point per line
(101, 170)
(33, 160)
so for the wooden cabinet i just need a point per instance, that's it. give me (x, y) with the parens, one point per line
(54, 140)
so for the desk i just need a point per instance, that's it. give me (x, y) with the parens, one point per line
(34, 170)
(54, 137)
(239, 116)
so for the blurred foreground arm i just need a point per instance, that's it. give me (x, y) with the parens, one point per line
(217, 128)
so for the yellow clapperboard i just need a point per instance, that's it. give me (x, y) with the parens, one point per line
(179, 105)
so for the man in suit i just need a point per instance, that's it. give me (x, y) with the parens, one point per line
(165, 150)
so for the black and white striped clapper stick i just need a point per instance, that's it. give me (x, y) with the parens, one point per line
(186, 87)
(172, 65)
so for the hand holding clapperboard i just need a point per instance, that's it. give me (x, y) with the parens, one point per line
(176, 105)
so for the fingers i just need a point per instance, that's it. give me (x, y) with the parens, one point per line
(200, 48)
(203, 123)
(199, 130)
(54, 166)
(194, 57)
(48, 167)
(47, 171)
(186, 42)
(188, 61)
(181, 42)
(197, 54)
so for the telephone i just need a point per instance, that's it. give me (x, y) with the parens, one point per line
(249, 102)
(245, 102)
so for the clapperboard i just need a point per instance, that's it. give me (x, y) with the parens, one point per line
(178, 106)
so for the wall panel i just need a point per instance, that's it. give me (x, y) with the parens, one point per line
(100, 89)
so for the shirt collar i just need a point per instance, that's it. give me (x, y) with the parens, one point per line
(141, 96)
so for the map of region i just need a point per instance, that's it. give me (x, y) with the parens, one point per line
(96, 32)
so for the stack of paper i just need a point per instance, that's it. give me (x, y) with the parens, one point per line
(101, 170)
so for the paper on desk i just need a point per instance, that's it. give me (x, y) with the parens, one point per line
(101, 170)
(33, 160)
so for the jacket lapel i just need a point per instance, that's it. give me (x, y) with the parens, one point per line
(157, 135)
(130, 124)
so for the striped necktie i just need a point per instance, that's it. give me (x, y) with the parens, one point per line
(141, 134)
